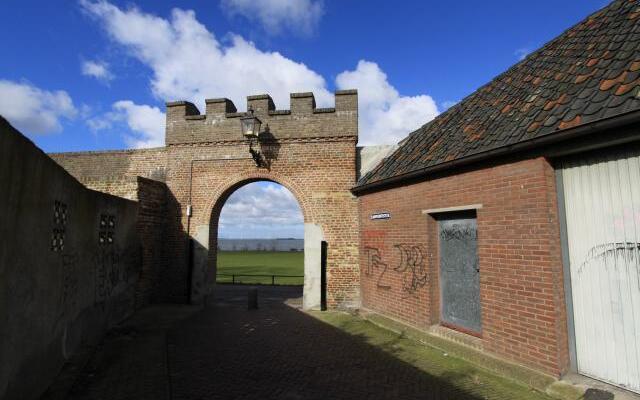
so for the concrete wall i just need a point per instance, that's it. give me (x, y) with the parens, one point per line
(60, 286)
(521, 292)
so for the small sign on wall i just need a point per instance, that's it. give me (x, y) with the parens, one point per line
(377, 216)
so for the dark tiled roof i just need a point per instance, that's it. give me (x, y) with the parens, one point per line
(590, 72)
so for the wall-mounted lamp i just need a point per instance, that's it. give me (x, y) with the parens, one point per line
(251, 131)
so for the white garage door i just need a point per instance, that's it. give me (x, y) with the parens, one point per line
(602, 203)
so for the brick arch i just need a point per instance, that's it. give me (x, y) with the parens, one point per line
(222, 192)
(204, 277)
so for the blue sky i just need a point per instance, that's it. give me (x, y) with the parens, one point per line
(94, 75)
(261, 210)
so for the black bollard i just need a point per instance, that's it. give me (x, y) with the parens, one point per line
(252, 296)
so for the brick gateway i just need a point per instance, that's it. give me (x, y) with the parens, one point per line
(309, 150)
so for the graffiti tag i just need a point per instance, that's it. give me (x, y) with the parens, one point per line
(412, 268)
(374, 262)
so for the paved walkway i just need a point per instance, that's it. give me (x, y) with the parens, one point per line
(225, 351)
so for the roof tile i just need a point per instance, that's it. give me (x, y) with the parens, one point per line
(592, 71)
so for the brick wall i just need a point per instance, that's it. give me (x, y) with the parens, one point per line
(114, 172)
(521, 293)
(152, 208)
(221, 122)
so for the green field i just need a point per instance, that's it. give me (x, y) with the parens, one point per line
(260, 263)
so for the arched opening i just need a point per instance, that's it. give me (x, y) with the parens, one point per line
(260, 237)
(259, 233)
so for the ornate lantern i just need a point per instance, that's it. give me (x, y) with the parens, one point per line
(250, 126)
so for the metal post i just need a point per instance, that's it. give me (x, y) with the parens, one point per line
(273, 280)
(233, 278)
(252, 297)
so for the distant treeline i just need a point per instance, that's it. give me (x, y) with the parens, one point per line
(260, 244)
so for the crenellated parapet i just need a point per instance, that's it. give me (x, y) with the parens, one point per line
(221, 122)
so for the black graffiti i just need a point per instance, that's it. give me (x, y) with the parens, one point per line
(458, 232)
(374, 262)
(69, 286)
(69, 291)
(373, 258)
(611, 251)
(110, 273)
(412, 268)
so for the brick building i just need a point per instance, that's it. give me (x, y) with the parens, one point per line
(512, 221)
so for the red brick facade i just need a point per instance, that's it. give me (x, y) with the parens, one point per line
(521, 292)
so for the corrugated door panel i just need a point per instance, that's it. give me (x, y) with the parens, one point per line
(602, 202)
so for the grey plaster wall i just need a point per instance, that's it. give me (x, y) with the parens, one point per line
(59, 286)
(368, 157)
(312, 295)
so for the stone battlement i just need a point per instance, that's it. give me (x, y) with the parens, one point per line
(221, 122)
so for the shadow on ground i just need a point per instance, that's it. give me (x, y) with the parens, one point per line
(224, 351)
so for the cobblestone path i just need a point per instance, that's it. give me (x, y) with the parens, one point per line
(224, 351)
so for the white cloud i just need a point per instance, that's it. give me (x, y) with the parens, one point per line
(33, 110)
(522, 53)
(189, 63)
(386, 117)
(300, 16)
(146, 124)
(261, 210)
(97, 69)
(102, 122)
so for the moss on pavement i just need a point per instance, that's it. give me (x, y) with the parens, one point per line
(432, 361)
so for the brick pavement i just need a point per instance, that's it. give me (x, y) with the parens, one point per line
(224, 351)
